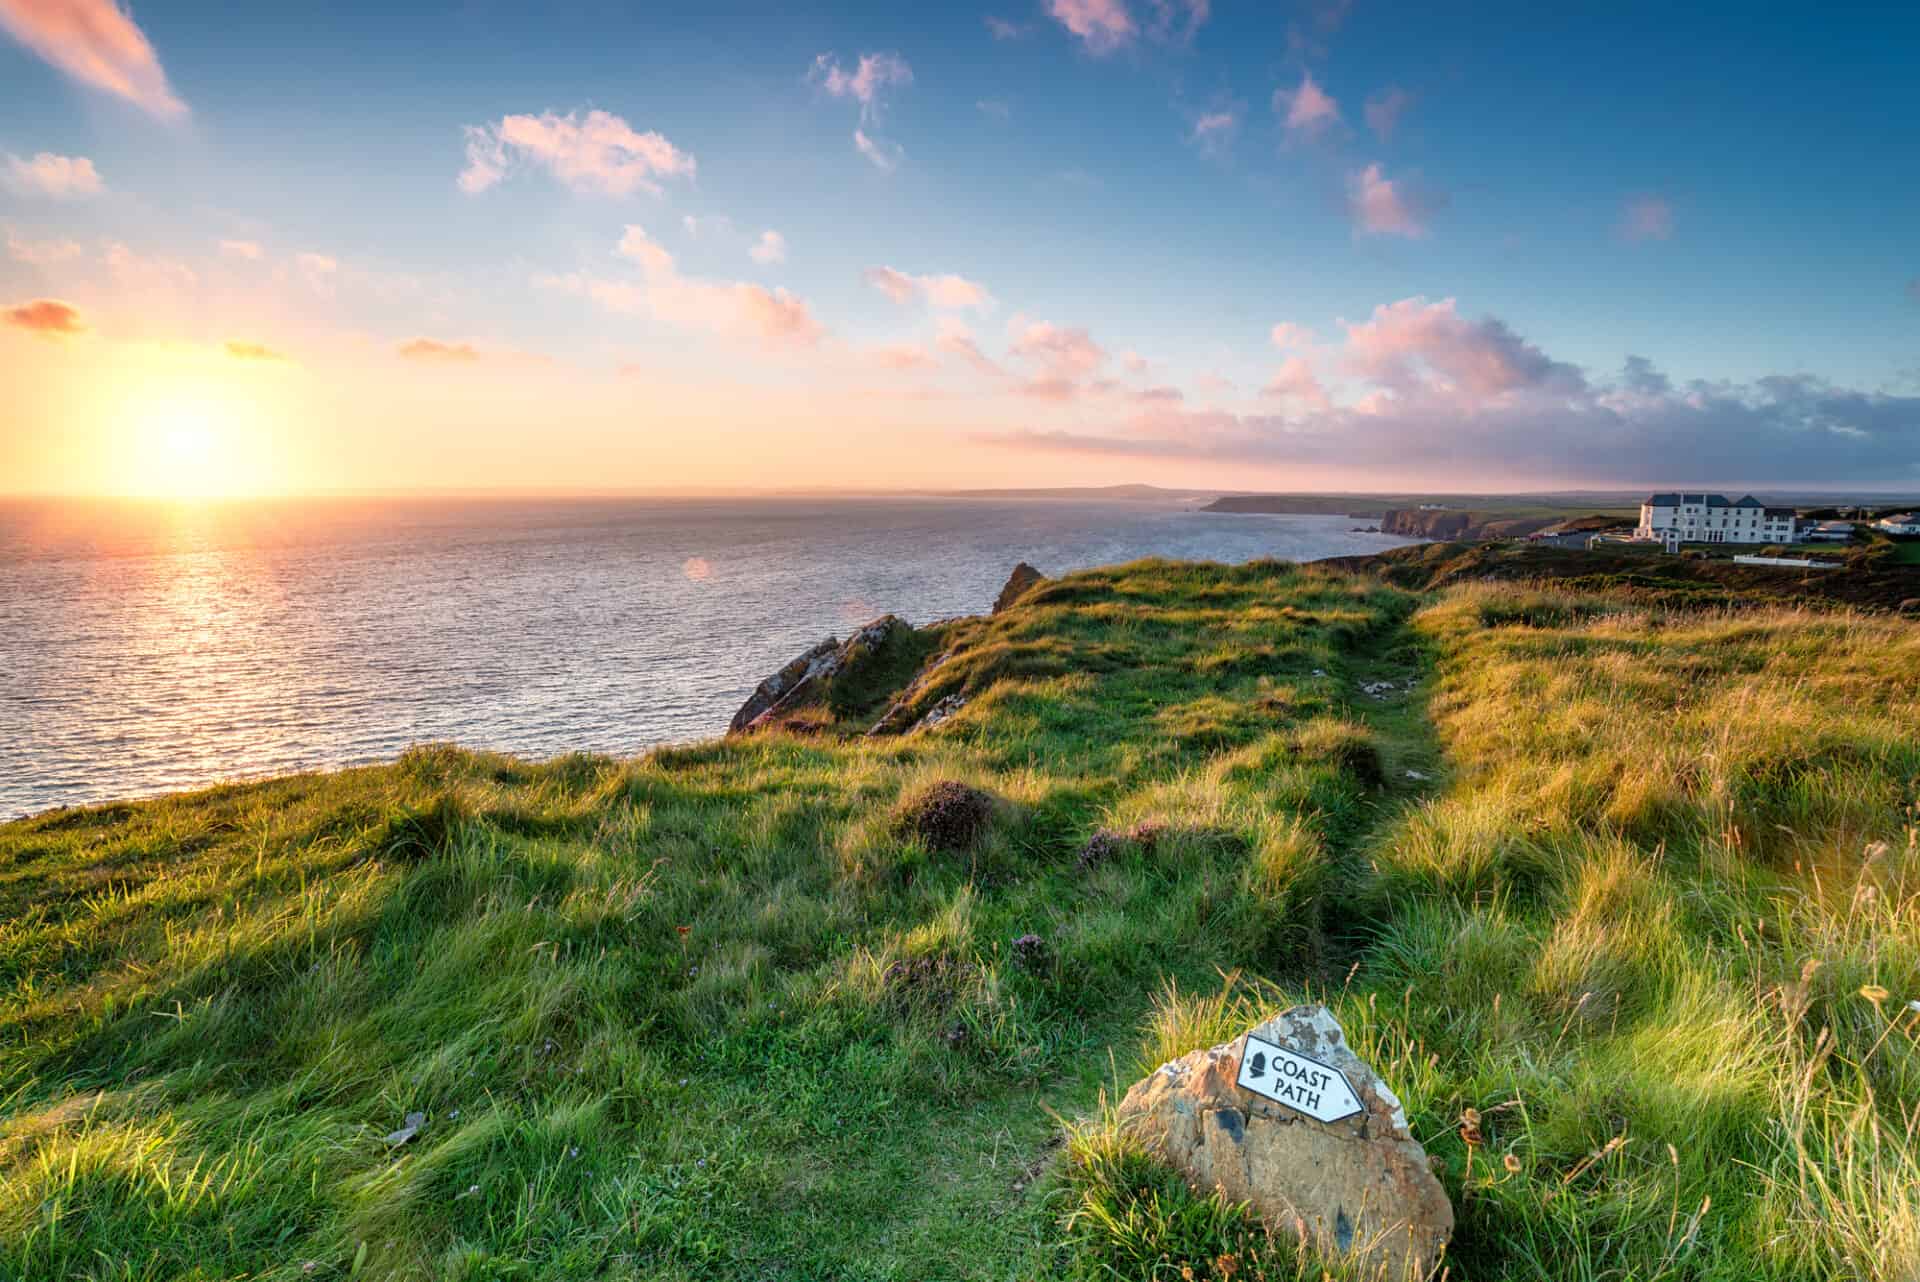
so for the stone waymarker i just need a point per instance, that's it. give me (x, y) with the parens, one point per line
(1288, 1119)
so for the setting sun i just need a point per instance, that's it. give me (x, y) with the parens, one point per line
(191, 435)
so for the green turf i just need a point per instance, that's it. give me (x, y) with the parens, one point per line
(721, 1012)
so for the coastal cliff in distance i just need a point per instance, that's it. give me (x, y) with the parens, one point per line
(1459, 527)
(1440, 524)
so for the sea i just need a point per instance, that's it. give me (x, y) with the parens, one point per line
(147, 647)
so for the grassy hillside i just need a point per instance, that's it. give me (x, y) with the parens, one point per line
(756, 1009)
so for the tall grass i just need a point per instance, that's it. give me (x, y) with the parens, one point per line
(1636, 886)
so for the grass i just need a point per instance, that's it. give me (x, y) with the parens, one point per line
(1650, 908)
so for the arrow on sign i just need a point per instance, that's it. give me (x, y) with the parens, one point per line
(1305, 1085)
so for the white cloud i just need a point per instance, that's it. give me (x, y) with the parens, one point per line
(61, 177)
(945, 290)
(770, 248)
(41, 253)
(867, 84)
(886, 155)
(598, 152)
(737, 308)
(318, 270)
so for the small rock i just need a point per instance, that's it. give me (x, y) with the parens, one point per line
(1359, 1184)
(940, 712)
(1417, 776)
(1378, 689)
(1022, 581)
(412, 1128)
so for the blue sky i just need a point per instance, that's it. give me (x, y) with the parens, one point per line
(1140, 190)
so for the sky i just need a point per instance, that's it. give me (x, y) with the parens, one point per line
(1340, 245)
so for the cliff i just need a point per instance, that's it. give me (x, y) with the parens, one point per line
(1449, 525)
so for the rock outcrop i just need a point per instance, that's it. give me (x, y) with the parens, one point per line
(1359, 1184)
(1022, 581)
(1449, 525)
(805, 680)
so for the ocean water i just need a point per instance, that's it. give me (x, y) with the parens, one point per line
(150, 647)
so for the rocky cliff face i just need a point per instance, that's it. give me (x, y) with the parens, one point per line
(1452, 526)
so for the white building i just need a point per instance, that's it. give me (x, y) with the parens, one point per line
(1899, 523)
(1827, 532)
(1710, 518)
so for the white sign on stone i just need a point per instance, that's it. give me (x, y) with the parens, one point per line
(1288, 1077)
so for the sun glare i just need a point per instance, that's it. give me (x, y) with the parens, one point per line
(189, 442)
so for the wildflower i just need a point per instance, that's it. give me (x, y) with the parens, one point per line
(1470, 1128)
(1873, 993)
(1512, 1163)
(683, 931)
(1227, 1265)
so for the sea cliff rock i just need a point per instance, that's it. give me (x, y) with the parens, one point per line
(804, 680)
(1450, 525)
(1023, 580)
(1358, 1185)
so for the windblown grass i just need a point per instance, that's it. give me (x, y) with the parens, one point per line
(1648, 922)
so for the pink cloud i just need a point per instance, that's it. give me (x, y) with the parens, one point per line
(1001, 29)
(134, 270)
(867, 83)
(1307, 112)
(1134, 362)
(1286, 334)
(1050, 387)
(41, 253)
(1060, 352)
(45, 317)
(1178, 20)
(955, 339)
(1102, 25)
(432, 349)
(943, 291)
(1213, 132)
(1384, 109)
(598, 152)
(1385, 206)
(770, 248)
(738, 308)
(318, 270)
(1647, 218)
(901, 356)
(1417, 348)
(96, 43)
(60, 177)
(885, 155)
(247, 249)
(241, 350)
(635, 244)
(1296, 382)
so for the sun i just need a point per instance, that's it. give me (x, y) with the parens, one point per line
(189, 442)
